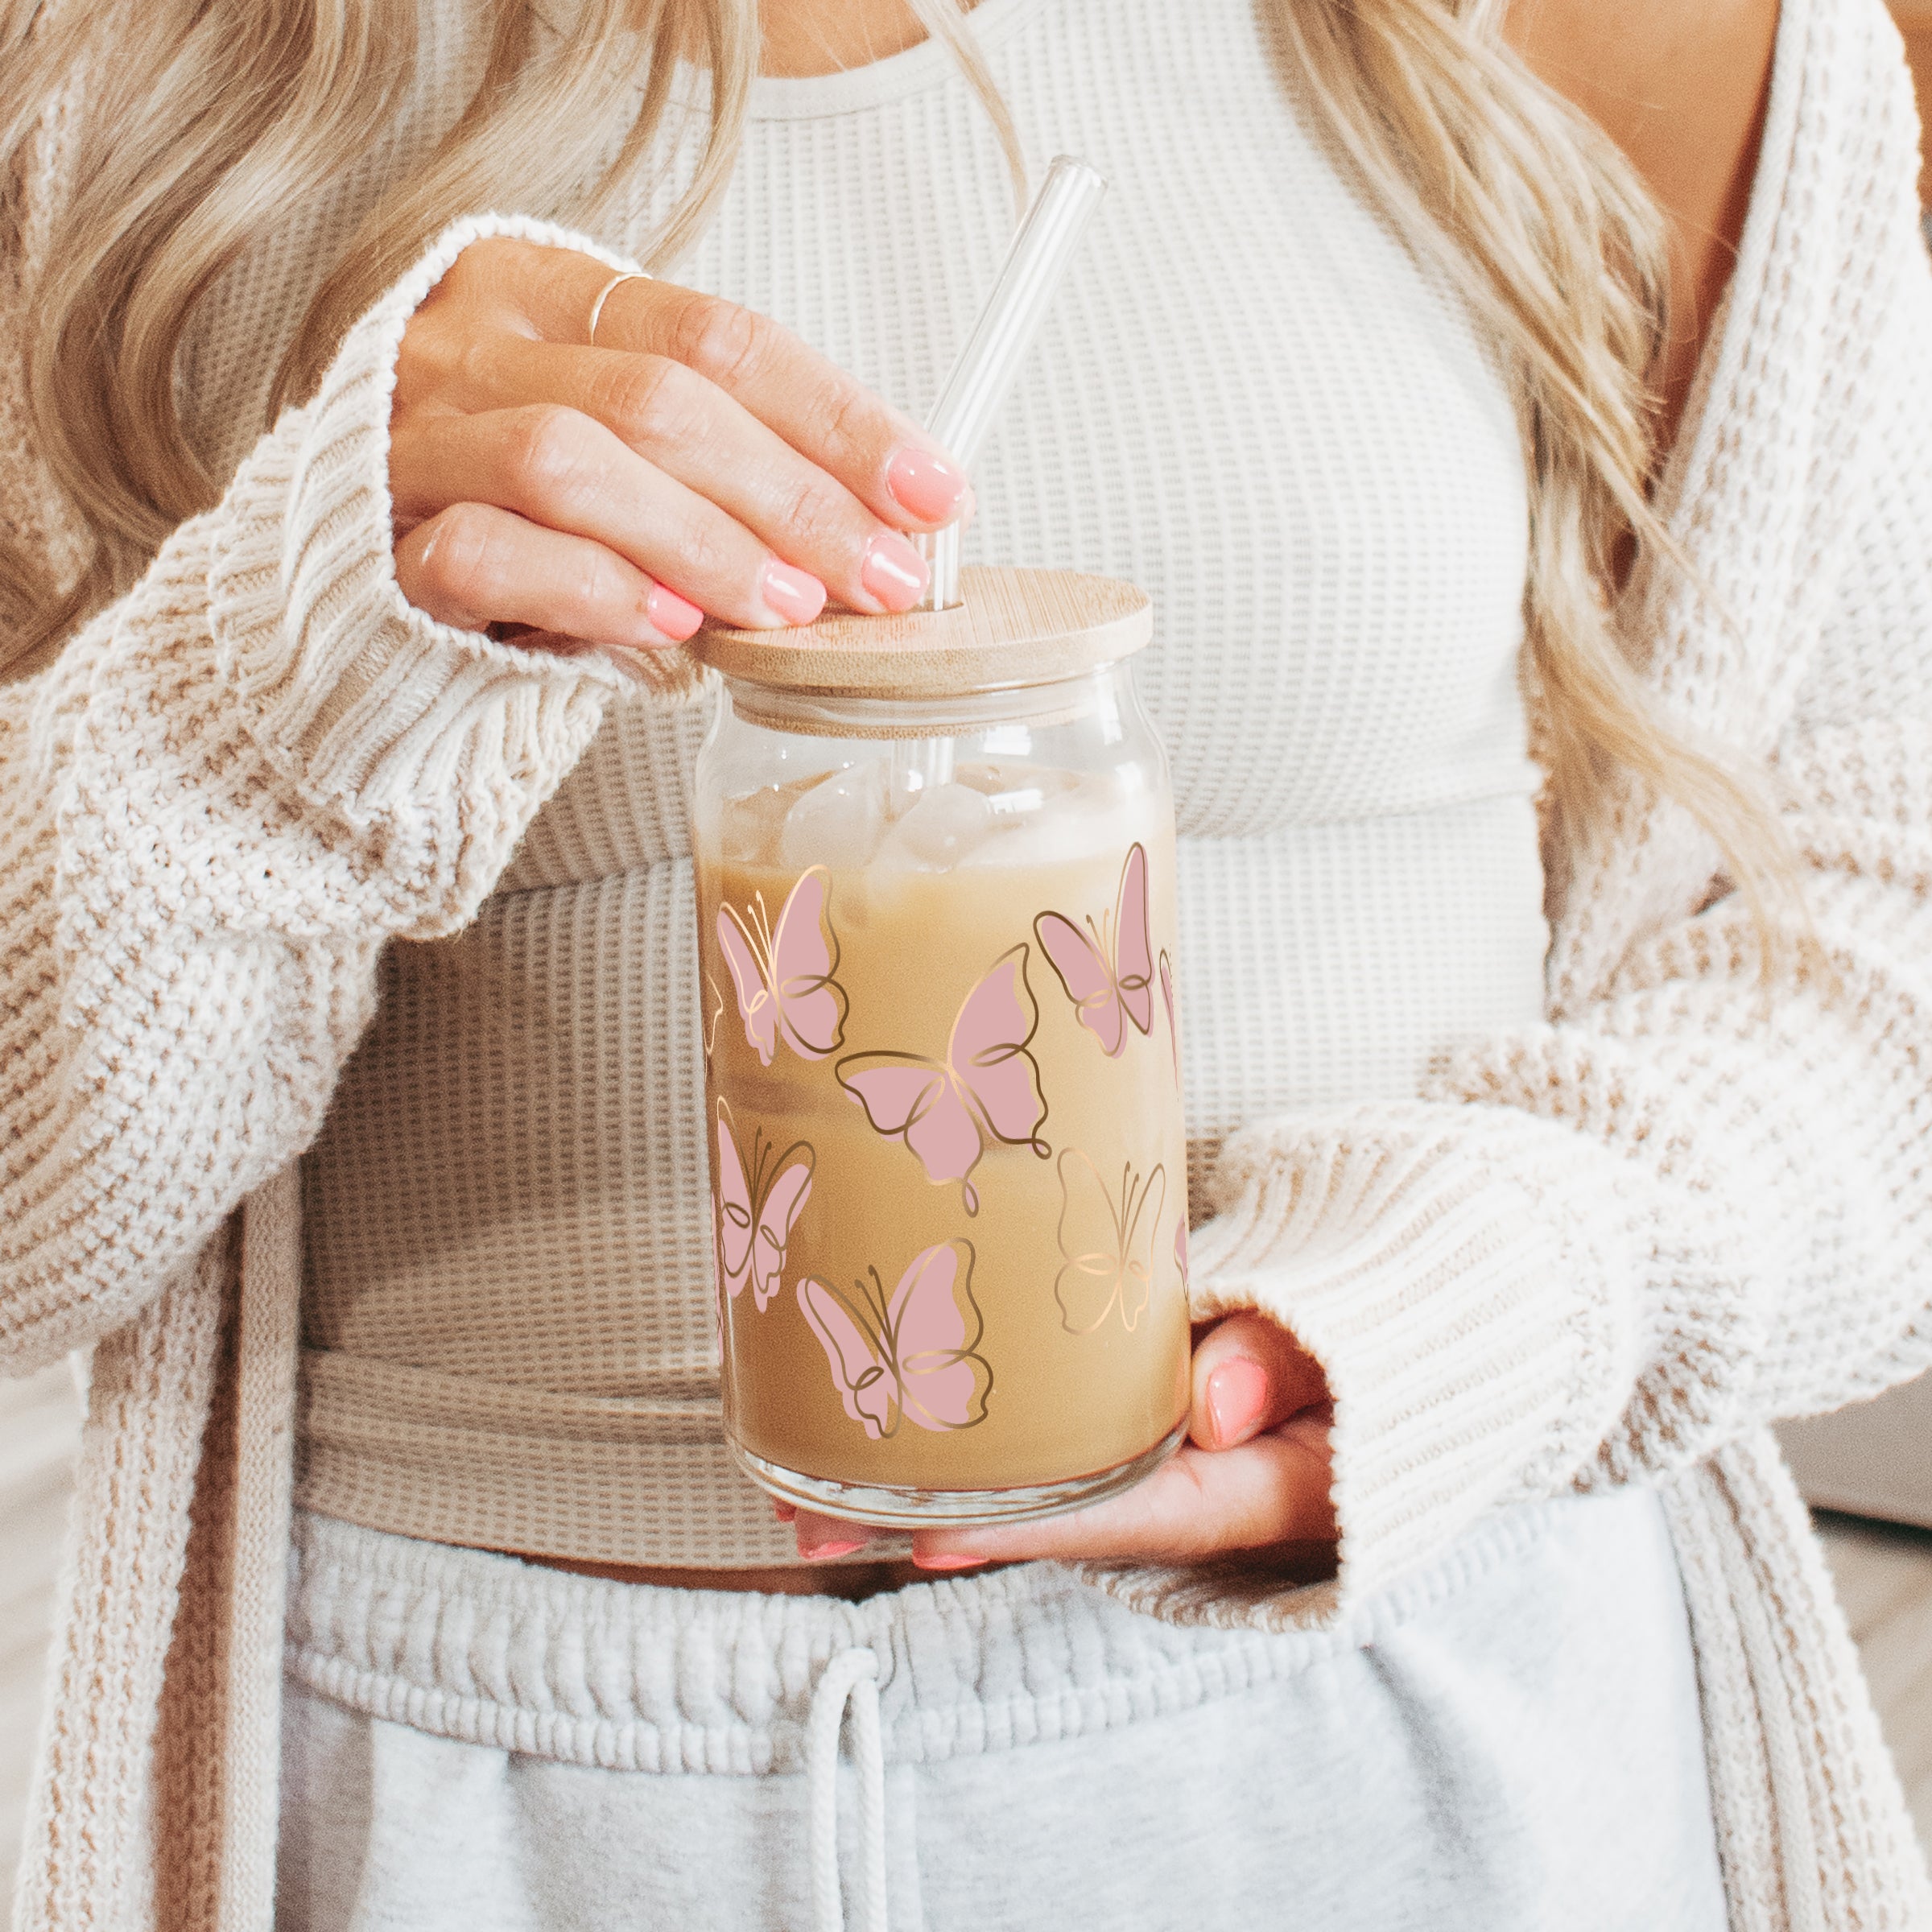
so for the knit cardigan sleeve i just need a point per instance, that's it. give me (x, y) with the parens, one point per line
(1698, 1198)
(216, 805)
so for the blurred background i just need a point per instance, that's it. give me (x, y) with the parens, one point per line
(1867, 1470)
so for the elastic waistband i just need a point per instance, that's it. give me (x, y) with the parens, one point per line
(491, 1650)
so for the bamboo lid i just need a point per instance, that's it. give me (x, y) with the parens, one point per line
(1015, 627)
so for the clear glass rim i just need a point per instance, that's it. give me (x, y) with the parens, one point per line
(886, 1507)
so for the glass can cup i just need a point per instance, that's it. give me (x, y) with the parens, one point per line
(935, 895)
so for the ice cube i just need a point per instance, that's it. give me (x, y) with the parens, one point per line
(749, 826)
(940, 830)
(1016, 785)
(1077, 822)
(839, 822)
(1037, 844)
(1100, 791)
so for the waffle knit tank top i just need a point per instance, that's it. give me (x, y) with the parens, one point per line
(1250, 400)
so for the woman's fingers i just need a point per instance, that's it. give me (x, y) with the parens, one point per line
(1250, 1374)
(825, 413)
(544, 293)
(475, 564)
(554, 465)
(1256, 1472)
(824, 1538)
(1198, 1504)
(705, 446)
(692, 430)
(1274, 1488)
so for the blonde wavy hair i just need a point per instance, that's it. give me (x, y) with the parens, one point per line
(213, 117)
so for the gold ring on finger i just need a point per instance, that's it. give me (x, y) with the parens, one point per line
(605, 294)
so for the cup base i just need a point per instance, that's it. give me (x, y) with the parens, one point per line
(886, 1507)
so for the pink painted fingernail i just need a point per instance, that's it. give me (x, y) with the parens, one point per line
(670, 615)
(938, 1561)
(794, 595)
(825, 1553)
(927, 485)
(894, 571)
(1237, 1392)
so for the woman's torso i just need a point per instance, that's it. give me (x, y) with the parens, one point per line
(1249, 400)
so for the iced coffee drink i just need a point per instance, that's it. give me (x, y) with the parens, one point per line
(943, 1093)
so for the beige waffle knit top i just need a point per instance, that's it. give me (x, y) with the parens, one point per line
(1607, 1246)
(1250, 401)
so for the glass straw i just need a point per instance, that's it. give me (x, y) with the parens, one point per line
(982, 376)
(986, 368)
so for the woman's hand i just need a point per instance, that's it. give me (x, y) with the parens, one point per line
(700, 460)
(1254, 1473)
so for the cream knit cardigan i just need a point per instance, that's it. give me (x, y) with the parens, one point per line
(1612, 1248)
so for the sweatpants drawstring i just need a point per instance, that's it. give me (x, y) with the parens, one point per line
(851, 1675)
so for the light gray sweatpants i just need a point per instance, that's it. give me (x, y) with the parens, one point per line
(1510, 1742)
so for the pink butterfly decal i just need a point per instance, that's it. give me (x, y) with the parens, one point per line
(987, 1088)
(1180, 1253)
(783, 972)
(717, 1014)
(1107, 1243)
(1108, 971)
(756, 1215)
(1173, 1027)
(912, 1355)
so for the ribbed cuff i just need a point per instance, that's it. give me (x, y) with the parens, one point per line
(356, 695)
(1467, 1278)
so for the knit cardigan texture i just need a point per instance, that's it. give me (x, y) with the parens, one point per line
(1610, 1249)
